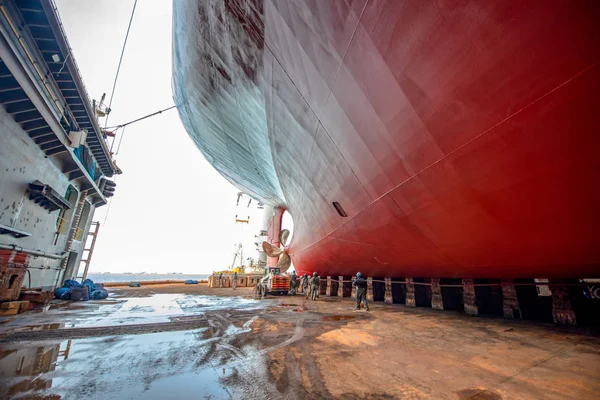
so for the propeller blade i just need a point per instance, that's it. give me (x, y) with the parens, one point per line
(283, 237)
(271, 250)
(284, 262)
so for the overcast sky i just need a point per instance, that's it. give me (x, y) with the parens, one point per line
(172, 212)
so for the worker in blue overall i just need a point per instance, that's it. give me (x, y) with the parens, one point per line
(315, 285)
(361, 291)
(293, 283)
(305, 285)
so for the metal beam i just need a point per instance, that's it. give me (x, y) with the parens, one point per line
(67, 169)
(56, 150)
(45, 139)
(35, 18)
(39, 32)
(29, 126)
(75, 174)
(45, 39)
(49, 47)
(51, 145)
(12, 96)
(27, 116)
(18, 107)
(40, 132)
(70, 85)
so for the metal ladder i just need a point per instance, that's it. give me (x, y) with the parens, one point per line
(94, 229)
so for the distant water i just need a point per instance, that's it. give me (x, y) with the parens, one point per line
(102, 278)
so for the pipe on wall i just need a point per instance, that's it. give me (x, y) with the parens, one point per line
(37, 253)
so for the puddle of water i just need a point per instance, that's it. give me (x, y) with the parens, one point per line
(23, 370)
(150, 366)
(338, 317)
(131, 366)
(203, 384)
(158, 308)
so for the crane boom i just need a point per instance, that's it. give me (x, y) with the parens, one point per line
(235, 256)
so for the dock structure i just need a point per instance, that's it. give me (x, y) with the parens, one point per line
(244, 280)
(554, 301)
(55, 165)
(549, 301)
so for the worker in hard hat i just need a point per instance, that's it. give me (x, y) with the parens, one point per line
(305, 285)
(315, 284)
(361, 291)
(293, 283)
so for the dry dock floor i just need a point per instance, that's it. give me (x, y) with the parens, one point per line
(193, 342)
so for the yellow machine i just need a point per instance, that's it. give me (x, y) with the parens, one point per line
(229, 271)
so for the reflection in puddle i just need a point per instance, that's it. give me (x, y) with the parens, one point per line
(196, 364)
(150, 366)
(23, 371)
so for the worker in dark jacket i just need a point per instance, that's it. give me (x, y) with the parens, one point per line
(293, 283)
(305, 285)
(315, 284)
(234, 281)
(361, 291)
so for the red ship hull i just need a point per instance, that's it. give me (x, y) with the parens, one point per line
(460, 138)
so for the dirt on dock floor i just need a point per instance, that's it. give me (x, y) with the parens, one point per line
(191, 341)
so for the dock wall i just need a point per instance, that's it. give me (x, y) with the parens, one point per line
(22, 162)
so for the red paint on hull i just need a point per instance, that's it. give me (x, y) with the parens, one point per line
(461, 138)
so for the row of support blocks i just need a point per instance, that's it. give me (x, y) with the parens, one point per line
(562, 311)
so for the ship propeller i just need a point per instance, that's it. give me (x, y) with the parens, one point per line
(273, 251)
(284, 262)
(283, 237)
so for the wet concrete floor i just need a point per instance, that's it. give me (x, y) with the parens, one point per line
(180, 342)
